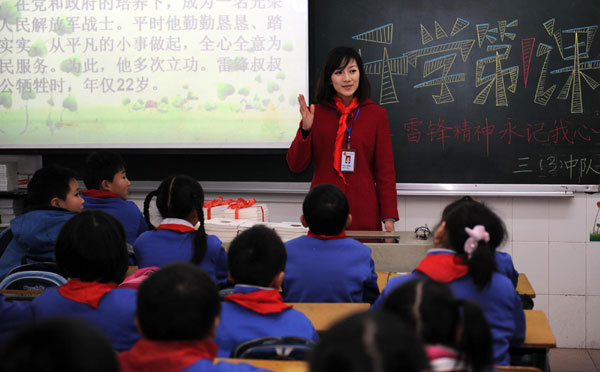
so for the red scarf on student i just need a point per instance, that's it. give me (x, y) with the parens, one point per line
(327, 237)
(166, 356)
(263, 301)
(99, 194)
(339, 137)
(89, 293)
(443, 267)
(175, 227)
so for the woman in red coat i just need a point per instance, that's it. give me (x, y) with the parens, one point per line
(347, 138)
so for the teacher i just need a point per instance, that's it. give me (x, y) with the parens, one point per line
(347, 138)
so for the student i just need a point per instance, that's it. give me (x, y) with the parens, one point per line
(12, 315)
(468, 265)
(369, 342)
(504, 263)
(91, 252)
(52, 199)
(455, 332)
(177, 313)
(58, 345)
(108, 190)
(179, 200)
(325, 266)
(256, 260)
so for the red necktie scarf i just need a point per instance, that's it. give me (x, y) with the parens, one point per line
(264, 301)
(166, 356)
(339, 137)
(327, 237)
(89, 293)
(443, 267)
(99, 194)
(175, 227)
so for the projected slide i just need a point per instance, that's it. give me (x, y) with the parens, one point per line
(151, 73)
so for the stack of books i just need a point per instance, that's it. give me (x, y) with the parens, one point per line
(225, 229)
(9, 209)
(289, 230)
(256, 212)
(8, 176)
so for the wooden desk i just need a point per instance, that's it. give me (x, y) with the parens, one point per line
(524, 287)
(17, 294)
(273, 365)
(367, 234)
(538, 333)
(383, 277)
(130, 270)
(324, 315)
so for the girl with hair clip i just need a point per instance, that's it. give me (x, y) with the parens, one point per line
(464, 258)
(455, 332)
(179, 200)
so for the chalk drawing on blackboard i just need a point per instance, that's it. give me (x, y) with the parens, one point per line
(526, 53)
(388, 91)
(495, 79)
(543, 96)
(523, 165)
(575, 72)
(459, 25)
(382, 34)
(439, 31)
(502, 26)
(425, 36)
(443, 63)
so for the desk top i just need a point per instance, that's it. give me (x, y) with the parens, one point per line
(538, 332)
(273, 365)
(324, 315)
(524, 287)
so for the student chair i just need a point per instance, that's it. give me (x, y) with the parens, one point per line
(274, 348)
(33, 276)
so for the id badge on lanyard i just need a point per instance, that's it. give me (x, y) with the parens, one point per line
(349, 154)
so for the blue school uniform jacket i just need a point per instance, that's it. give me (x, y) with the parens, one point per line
(499, 301)
(123, 210)
(504, 264)
(334, 270)
(12, 315)
(239, 324)
(34, 233)
(206, 365)
(161, 247)
(114, 316)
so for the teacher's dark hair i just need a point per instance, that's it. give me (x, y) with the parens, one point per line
(339, 58)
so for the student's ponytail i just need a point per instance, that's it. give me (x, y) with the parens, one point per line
(474, 342)
(482, 265)
(200, 243)
(147, 202)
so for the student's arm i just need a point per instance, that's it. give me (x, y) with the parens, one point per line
(519, 318)
(370, 287)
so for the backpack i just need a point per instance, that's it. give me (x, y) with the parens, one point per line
(278, 348)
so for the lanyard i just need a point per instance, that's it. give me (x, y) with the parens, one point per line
(349, 128)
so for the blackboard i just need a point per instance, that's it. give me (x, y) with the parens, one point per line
(478, 91)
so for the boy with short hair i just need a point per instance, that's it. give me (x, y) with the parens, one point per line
(325, 266)
(177, 314)
(108, 189)
(256, 260)
(52, 199)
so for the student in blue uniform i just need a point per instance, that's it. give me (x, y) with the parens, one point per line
(13, 314)
(58, 345)
(455, 332)
(462, 257)
(177, 312)
(371, 341)
(504, 262)
(108, 190)
(325, 266)
(179, 200)
(52, 199)
(256, 260)
(91, 252)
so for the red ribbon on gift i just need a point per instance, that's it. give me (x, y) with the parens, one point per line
(241, 203)
(214, 203)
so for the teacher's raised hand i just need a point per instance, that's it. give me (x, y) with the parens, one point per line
(308, 113)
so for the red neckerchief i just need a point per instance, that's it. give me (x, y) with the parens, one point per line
(99, 194)
(341, 131)
(443, 267)
(175, 227)
(166, 356)
(263, 301)
(327, 237)
(85, 292)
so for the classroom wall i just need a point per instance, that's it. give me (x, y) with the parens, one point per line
(548, 239)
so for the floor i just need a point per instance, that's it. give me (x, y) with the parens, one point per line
(575, 360)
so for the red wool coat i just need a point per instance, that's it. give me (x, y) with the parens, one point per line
(371, 188)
